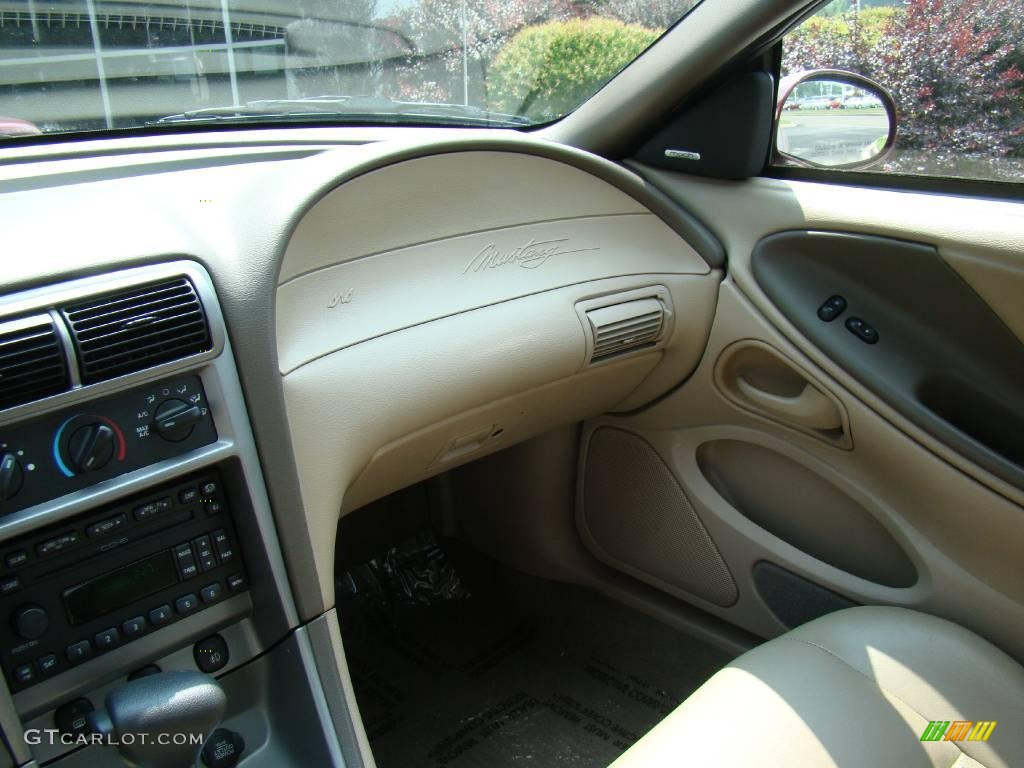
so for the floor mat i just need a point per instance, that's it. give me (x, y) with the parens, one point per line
(474, 665)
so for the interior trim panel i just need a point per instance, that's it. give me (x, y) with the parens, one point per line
(938, 355)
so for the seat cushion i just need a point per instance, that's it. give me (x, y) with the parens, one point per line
(855, 688)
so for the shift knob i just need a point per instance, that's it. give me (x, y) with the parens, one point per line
(168, 714)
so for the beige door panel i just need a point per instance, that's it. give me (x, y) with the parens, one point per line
(983, 240)
(881, 520)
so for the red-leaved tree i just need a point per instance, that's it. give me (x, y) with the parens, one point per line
(952, 66)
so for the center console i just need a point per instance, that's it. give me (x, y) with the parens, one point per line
(136, 534)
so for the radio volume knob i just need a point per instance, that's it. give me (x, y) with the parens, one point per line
(30, 622)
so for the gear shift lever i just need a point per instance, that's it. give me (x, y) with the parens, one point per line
(165, 714)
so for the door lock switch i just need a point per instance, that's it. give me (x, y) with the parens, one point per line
(832, 308)
(862, 330)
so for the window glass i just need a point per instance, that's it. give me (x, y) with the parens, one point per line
(95, 64)
(955, 69)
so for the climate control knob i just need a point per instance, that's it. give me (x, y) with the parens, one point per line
(11, 476)
(91, 447)
(175, 419)
(30, 622)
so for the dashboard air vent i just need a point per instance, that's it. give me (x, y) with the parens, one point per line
(625, 327)
(137, 328)
(32, 364)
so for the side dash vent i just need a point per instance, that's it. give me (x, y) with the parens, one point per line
(32, 364)
(136, 328)
(625, 327)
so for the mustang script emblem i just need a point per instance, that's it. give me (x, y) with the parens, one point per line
(533, 254)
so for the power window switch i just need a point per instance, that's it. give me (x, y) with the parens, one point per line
(832, 308)
(862, 330)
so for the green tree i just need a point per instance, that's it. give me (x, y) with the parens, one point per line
(550, 69)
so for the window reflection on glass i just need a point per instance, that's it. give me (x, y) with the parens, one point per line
(95, 64)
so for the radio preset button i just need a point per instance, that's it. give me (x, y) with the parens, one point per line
(211, 592)
(47, 664)
(57, 543)
(186, 604)
(16, 559)
(10, 585)
(78, 652)
(107, 639)
(161, 615)
(134, 626)
(24, 674)
(103, 527)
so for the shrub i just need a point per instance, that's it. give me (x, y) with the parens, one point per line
(550, 69)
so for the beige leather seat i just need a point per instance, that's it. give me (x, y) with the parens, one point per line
(854, 688)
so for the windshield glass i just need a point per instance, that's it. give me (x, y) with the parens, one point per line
(85, 65)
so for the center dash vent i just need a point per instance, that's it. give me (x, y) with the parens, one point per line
(137, 328)
(625, 327)
(32, 364)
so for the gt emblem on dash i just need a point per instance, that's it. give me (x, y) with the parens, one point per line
(340, 298)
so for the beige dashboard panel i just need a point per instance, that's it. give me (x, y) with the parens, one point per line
(427, 315)
(446, 195)
(382, 414)
(558, 227)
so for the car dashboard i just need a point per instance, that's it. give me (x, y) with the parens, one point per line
(225, 345)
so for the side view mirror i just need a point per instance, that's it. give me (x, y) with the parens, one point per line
(830, 118)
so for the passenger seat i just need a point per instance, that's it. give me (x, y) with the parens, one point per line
(855, 688)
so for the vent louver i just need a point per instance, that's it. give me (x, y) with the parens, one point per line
(137, 328)
(32, 364)
(625, 327)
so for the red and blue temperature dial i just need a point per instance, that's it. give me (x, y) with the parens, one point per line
(87, 443)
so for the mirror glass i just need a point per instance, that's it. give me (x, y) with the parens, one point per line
(832, 123)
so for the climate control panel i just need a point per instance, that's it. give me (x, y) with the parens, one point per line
(44, 458)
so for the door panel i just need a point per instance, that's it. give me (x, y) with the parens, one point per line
(947, 363)
(886, 514)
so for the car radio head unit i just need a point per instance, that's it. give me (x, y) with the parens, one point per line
(88, 585)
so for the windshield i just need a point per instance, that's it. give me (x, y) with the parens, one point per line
(92, 65)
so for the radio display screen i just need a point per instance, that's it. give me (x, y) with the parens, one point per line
(116, 589)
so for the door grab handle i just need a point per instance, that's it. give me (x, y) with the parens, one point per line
(809, 409)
